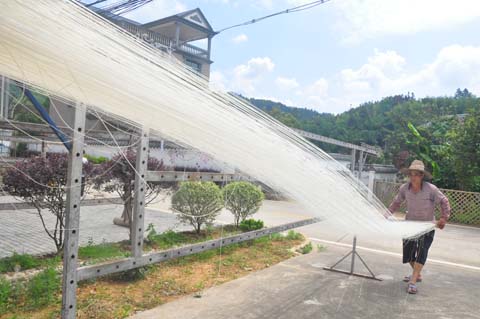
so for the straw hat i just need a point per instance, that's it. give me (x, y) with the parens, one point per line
(416, 166)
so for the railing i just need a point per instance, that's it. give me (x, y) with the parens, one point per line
(465, 205)
(159, 41)
(146, 35)
(188, 48)
(364, 147)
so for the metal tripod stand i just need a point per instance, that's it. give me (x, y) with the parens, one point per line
(353, 253)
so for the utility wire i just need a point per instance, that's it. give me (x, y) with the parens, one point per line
(302, 7)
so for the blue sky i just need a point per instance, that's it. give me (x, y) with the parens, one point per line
(342, 53)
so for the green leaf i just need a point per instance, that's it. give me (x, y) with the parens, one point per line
(413, 130)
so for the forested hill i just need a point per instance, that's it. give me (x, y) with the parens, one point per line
(439, 128)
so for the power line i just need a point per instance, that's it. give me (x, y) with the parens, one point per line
(302, 7)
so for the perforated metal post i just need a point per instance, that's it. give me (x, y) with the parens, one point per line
(354, 252)
(137, 228)
(352, 161)
(3, 94)
(72, 213)
(371, 184)
(361, 161)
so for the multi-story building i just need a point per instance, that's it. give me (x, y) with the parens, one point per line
(186, 36)
(175, 34)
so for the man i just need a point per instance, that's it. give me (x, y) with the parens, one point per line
(421, 197)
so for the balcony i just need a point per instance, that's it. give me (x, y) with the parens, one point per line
(161, 42)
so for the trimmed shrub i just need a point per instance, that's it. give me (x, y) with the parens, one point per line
(197, 203)
(243, 199)
(251, 224)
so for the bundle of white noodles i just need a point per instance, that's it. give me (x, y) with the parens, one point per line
(61, 48)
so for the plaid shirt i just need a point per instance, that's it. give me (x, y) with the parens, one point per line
(421, 205)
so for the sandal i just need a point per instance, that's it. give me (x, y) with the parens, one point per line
(408, 278)
(412, 288)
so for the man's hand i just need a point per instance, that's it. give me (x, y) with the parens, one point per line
(441, 223)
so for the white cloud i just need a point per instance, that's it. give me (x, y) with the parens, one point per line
(298, 2)
(455, 66)
(358, 20)
(384, 73)
(155, 10)
(240, 38)
(266, 3)
(316, 93)
(245, 76)
(286, 83)
(218, 81)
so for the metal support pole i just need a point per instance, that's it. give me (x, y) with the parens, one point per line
(137, 227)
(354, 252)
(352, 162)
(177, 35)
(48, 119)
(209, 47)
(72, 213)
(352, 272)
(371, 183)
(5, 97)
(2, 95)
(361, 161)
(44, 150)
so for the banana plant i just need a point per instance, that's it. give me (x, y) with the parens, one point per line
(423, 149)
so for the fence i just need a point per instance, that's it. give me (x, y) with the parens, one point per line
(465, 205)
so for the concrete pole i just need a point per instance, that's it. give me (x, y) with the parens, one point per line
(72, 213)
(352, 161)
(361, 161)
(2, 96)
(371, 183)
(177, 35)
(209, 46)
(138, 220)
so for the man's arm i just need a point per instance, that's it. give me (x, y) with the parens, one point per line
(397, 201)
(445, 209)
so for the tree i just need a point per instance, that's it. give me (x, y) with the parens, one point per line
(463, 94)
(422, 148)
(41, 182)
(118, 176)
(466, 151)
(243, 199)
(197, 203)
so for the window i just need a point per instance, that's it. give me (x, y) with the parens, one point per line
(195, 66)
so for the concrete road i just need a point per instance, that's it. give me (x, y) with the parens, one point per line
(300, 288)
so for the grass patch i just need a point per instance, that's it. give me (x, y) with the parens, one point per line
(293, 235)
(167, 239)
(18, 262)
(102, 251)
(21, 298)
(170, 239)
(321, 248)
(5, 291)
(306, 249)
(121, 295)
(251, 224)
(43, 289)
